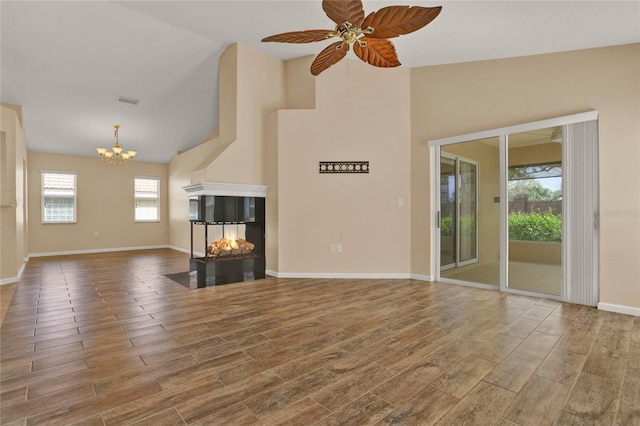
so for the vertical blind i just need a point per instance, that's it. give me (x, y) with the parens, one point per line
(581, 203)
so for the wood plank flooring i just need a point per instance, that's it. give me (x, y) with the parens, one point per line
(106, 339)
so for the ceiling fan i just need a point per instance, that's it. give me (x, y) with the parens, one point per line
(368, 35)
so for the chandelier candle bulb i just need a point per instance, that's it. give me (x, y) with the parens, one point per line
(117, 156)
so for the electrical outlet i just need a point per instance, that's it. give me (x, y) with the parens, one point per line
(95, 234)
(332, 248)
(339, 248)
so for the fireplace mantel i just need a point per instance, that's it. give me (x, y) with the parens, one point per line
(226, 189)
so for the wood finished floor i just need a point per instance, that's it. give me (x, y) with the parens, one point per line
(108, 339)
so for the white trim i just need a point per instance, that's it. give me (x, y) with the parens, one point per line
(518, 128)
(101, 250)
(435, 220)
(469, 284)
(434, 228)
(180, 249)
(419, 277)
(15, 279)
(337, 275)
(226, 189)
(621, 309)
(21, 271)
(534, 294)
(10, 280)
(330, 275)
(187, 251)
(503, 215)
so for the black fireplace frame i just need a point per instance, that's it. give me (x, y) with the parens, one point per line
(222, 210)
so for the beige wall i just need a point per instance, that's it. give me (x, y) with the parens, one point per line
(260, 89)
(105, 205)
(14, 247)
(252, 84)
(456, 99)
(362, 113)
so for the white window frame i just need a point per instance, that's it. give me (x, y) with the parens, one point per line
(42, 196)
(157, 198)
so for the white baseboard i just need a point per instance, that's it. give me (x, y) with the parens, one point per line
(176, 248)
(187, 251)
(9, 280)
(15, 279)
(101, 250)
(621, 309)
(419, 277)
(337, 275)
(470, 284)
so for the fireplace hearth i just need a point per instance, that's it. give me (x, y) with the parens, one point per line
(227, 237)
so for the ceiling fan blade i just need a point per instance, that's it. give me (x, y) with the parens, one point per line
(308, 36)
(377, 52)
(329, 56)
(393, 21)
(340, 11)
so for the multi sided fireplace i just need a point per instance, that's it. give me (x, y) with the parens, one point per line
(227, 235)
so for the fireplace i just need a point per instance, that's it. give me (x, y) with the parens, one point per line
(227, 233)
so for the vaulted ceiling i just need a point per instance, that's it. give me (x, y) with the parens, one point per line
(66, 62)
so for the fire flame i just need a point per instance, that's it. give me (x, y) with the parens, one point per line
(225, 246)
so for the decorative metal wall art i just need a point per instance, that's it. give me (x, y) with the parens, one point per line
(344, 167)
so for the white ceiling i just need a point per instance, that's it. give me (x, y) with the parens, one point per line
(65, 62)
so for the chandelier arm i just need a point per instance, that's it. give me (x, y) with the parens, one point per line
(117, 156)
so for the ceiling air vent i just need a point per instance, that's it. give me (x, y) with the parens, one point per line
(125, 100)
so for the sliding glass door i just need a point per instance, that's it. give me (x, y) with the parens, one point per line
(529, 222)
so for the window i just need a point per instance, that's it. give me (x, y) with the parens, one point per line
(58, 197)
(147, 196)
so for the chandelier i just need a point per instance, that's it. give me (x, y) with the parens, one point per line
(117, 156)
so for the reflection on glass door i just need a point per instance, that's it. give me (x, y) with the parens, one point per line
(467, 201)
(470, 225)
(448, 213)
(458, 208)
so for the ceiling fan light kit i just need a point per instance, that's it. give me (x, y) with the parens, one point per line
(368, 35)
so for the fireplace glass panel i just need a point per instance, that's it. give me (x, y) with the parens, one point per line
(231, 230)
